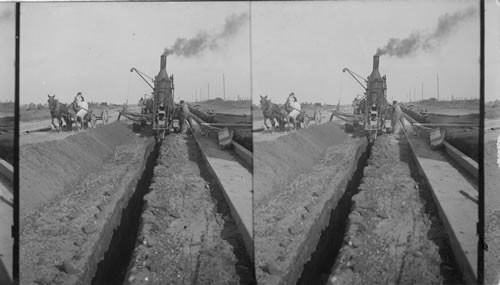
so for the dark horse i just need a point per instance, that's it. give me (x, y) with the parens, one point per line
(271, 111)
(60, 111)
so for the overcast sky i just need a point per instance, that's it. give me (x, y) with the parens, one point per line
(492, 51)
(7, 51)
(90, 47)
(305, 46)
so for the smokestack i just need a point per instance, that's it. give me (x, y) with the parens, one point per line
(375, 73)
(163, 62)
(375, 62)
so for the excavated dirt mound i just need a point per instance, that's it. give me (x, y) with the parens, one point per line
(187, 235)
(85, 180)
(48, 168)
(298, 180)
(278, 160)
(492, 213)
(394, 235)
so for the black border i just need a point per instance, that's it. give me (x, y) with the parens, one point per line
(15, 227)
(480, 225)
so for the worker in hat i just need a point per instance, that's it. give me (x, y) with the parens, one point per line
(397, 116)
(295, 107)
(183, 115)
(84, 107)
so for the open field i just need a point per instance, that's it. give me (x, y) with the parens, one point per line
(492, 110)
(449, 107)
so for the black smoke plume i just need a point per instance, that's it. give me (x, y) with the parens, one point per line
(416, 41)
(204, 40)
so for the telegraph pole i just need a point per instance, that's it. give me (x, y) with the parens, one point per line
(208, 90)
(422, 91)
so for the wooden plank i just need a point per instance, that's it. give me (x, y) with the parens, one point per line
(244, 153)
(466, 162)
(7, 171)
(235, 181)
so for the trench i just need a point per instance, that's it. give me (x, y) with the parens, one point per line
(113, 268)
(317, 269)
(117, 261)
(245, 268)
(449, 268)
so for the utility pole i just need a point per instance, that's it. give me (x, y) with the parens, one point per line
(422, 91)
(224, 86)
(201, 95)
(437, 77)
(415, 94)
(208, 91)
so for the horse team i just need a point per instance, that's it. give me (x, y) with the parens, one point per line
(76, 111)
(286, 114)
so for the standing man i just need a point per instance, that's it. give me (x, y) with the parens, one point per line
(184, 115)
(397, 116)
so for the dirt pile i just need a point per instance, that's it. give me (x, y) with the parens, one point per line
(278, 160)
(393, 234)
(48, 168)
(62, 241)
(492, 213)
(187, 235)
(298, 181)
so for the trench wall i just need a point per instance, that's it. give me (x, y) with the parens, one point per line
(278, 160)
(47, 168)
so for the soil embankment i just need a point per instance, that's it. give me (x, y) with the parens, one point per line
(187, 235)
(298, 181)
(394, 235)
(48, 168)
(72, 198)
(492, 208)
